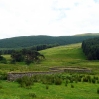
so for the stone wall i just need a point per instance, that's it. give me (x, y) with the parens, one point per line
(14, 76)
(77, 70)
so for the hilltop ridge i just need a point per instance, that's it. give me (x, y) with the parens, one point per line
(28, 41)
(88, 34)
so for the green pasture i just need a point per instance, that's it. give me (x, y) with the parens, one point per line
(61, 56)
(82, 90)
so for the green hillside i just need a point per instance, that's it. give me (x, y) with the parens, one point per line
(28, 41)
(88, 34)
(62, 56)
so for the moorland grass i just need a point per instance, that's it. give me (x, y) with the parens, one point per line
(61, 56)
(80, 90)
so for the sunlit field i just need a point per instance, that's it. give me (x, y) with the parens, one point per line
(62, 56)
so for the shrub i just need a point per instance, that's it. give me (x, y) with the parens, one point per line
(96, 78)
(3, 77)
(48, 79)
(58, 81)
(72, 86)
(98, 90)
(32, 95)
(85, 79)
(25, 81)
(47, 87)
(35, 78)
(1, 87)
(13, 61)
(89, 79)
(98, 81)
(66, 83)
(79, 79)
(3, 60)
(71, 80)
(93, 81)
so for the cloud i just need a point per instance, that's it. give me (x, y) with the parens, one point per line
(48, 17)
(97, 1)
(81, 18)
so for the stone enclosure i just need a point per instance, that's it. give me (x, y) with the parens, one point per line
(13, 76)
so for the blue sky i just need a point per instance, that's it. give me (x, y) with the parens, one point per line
(48, 17)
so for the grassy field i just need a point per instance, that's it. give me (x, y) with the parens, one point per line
(62, 56)
(81, 90)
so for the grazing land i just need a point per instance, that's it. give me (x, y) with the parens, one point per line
(61, 56)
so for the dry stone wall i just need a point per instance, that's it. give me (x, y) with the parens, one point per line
(14, 76)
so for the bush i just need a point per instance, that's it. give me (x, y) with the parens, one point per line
(47, 87)
(85, 79)
(1, 87)
(66, 83)
(93, 81)
(32, 95)
(95, 77)
(13, 61)
(3, 77)
(89, 78)
(72, 86)
(98, 81)
(79, 79)
(71, 80)
(98, 90)
(25, 81)
(35, 78)
(48, 79)
(3, 60)
(58, 81)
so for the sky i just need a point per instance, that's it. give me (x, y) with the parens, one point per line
(48, 17)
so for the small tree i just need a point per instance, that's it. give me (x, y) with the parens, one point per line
(28, 56)
(2, 59)
(17, 56)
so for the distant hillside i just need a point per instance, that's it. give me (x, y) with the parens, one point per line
(88, 34)
(27, 41)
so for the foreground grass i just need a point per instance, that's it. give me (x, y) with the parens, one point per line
(11, 90)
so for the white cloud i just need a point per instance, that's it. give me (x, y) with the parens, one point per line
(48, 17)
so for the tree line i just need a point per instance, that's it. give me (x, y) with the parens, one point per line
(91, 48)
(35, 47)
(28, 41)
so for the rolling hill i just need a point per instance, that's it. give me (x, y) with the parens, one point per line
(88, 34)
(61, 56)
(28, 41)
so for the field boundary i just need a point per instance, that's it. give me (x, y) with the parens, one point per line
(13, 75)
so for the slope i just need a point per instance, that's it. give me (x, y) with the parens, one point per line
(62, 56)
(28, 41)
